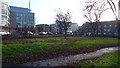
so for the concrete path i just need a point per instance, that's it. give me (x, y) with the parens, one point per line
(72, 58)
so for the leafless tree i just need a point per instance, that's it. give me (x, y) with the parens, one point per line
(94, 9)
(114, 10)
(63, 19)
(93, 13)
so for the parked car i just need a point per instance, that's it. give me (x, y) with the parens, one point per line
(23, 33)
(26, 33)
(29, 33)
(4, 32)
(42, 33)
(69, 33)
(49, 33)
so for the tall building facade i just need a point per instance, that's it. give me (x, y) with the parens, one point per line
(21, 17)
(4, 13)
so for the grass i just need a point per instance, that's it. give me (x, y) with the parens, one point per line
(107, 60)
(35, 39)
(13, 50)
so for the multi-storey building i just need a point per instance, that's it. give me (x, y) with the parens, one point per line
(43, 28)
(106, 28)
(21, 17)
(54, 28)
(4, 13)
(73, 27)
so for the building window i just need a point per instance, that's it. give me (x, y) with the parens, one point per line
(4, 11)
(4, 6)
(104, 33)
(108, 30)
(4, 18)
(99, 33)
(4, 23)
(109, 33)
(110, 25)
(18, 18)
(104, 25)
(99, 26)
(104, 29)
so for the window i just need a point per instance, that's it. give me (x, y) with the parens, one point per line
(4, 11)
(110, 25)
(4, 23)
(99, 26)
(104, 33)
(19, 22)
(4, 6)
(18, 18)
(115, 25)
(109, 33)
(104, 29)
(108, 30)
(99, 33)
(116, 34)
(104, 25)
(4, 18)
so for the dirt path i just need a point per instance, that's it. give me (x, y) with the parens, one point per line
(72, 58)
(44, 55)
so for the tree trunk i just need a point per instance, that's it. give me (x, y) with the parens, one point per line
(94, 34)
(65, 34)
(118, 28)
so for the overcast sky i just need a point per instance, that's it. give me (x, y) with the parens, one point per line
(45, 10)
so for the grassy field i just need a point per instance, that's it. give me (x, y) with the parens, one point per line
(14, 47)
(107, 60)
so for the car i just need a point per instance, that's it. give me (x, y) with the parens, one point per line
(69, 33)
(4, 32)
(29, 33)
(49, 33)
(42, 33)
(23, 33)
(26, 33)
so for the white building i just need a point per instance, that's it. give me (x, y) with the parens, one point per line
(54, 29)
(73, 27)
(4, 13)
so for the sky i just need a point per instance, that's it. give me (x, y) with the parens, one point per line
(45, 10)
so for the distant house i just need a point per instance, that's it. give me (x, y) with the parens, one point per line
(54, 28)
(73, 27)
(106, 28)
(58, 29)
(43, 27)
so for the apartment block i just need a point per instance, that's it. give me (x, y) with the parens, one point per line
(106, 28)
(4, 13)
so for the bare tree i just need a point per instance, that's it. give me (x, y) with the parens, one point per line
(114, 10)
(93, 13)
(63, 19)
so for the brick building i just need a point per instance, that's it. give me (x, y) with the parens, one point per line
(106, 28)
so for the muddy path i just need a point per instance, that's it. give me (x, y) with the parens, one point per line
(54, 54)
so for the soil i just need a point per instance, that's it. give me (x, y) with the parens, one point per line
(53, 54)
(23, 40)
